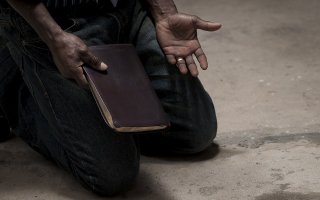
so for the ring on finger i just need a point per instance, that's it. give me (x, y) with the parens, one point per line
(180, 61)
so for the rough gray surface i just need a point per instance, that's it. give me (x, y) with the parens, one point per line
(264, 78)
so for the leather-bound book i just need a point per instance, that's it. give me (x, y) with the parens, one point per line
(123, 93)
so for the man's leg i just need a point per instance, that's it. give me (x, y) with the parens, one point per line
(61, 120)
(188, 105)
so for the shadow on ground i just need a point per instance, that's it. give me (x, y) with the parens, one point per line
(27, 175)
(210, 153)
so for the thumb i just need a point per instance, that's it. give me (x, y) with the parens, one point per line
(94, 61)
(206, 25)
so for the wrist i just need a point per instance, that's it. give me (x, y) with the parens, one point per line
(163, 14)
(47, 28)
(52, 35)
(161, 9)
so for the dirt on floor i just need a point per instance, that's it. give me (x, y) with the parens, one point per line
(264, 79)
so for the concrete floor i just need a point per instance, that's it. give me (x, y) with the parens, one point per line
(264, 79)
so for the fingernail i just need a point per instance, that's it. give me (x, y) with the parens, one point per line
(204, 67)
(103, 66)
(217, 24)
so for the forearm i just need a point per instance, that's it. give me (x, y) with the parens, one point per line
(37, 15)
(161, 8)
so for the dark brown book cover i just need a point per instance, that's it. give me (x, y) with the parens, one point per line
(124, 93)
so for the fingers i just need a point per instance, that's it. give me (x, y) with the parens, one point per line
(202, 58)
(206, 25)
(171, 59)
(186, 65)
(181, 64)
(93, 61)
(192, 66)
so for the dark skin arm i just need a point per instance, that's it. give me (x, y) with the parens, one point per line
(69, 52)
(177, 35)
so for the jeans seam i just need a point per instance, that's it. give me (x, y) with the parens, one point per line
(45, 93)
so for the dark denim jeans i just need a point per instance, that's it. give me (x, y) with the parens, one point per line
(61, 121)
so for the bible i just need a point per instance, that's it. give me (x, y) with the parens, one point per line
(123, 93)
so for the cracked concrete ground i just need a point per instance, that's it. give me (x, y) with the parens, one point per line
(264, 79)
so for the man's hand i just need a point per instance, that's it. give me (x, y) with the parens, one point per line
(177, 36)
(70, 53)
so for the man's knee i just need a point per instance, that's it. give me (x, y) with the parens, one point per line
(189, 137)
(200, 138)
(111, 179)
(108, 184)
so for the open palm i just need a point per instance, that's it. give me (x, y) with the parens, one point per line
(177, 36)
